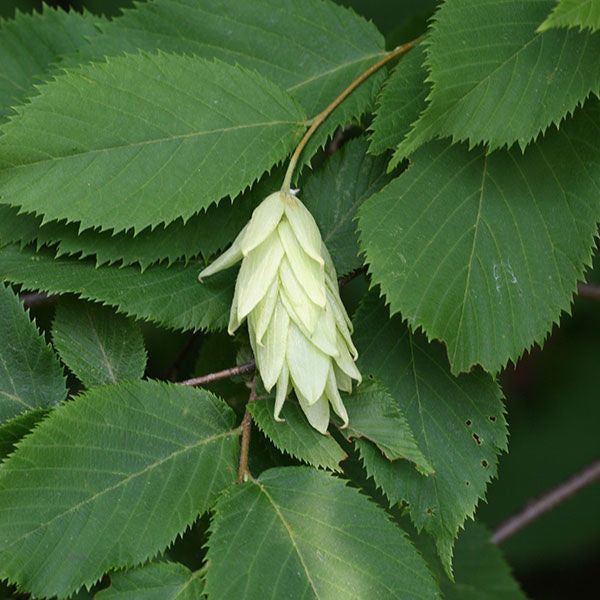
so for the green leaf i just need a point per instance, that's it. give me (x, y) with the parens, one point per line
(296, 436)
(335, 191)
(31, 44)
(458, 423)
(170, 296)
(505, 92)
(311, 537)
(281, 39)
(481, 573)
(573, 13)
(12, 431)
(484, 252)
(98, 345)
(110, 479)
(402, 100)
(30, 375)
(140, 163)
(154, 581)
(375, 415)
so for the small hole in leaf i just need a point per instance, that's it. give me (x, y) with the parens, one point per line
(371, 377)
(484, 464)
(468, 483)
(477, 439)
(493, 419)
(468, 423)
(430, 511)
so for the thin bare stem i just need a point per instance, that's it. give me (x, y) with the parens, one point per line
(244, 369)
(316, 122)
(588, 290)
(549, 500)
(246, 430)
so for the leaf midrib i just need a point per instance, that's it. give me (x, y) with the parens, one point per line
(123, 482)
(182, 136)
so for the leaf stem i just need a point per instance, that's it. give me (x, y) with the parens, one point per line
(322, 116)
(246, 430)
(244, 369)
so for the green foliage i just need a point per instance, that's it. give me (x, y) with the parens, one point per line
(169, 296)
(149, 166)
(481, 573)
(458, 424)
(12, 431)
(507, 92)
(485, 237)
(98, 345)
(118, 473)
(30, 45)
(574, 13)
(334, 193)
(281, 39)
(456, 190)
(376, 415)
(295, 436)
(402, 100)
(30, 375)
(154, 581)
(312, 537)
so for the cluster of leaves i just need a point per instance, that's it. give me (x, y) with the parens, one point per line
(133, 149)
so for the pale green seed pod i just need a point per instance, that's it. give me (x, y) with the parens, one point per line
(287, 290)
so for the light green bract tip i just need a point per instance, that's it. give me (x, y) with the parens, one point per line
(287, 289)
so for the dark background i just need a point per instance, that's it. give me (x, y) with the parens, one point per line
(553, 396)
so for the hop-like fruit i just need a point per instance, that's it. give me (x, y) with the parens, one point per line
(287, 290)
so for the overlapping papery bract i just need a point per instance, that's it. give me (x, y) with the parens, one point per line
(287, 289)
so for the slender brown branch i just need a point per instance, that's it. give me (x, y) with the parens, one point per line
(36, 299)
(322, 116)
(588, 290)
(246, 430)
(244, 369)
(549, 500)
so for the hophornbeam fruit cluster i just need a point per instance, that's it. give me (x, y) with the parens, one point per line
(287, 290)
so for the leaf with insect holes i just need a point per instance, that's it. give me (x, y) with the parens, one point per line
(98, 345)
(170, 296)
(280, 39)
(296, 436)
(484, 251)
(30, 46)
(311, 537)
(31, 376)
(143, 164)
(506, 92)
(458, 424)
(154, 581)
(574, 13)
(118, 472)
